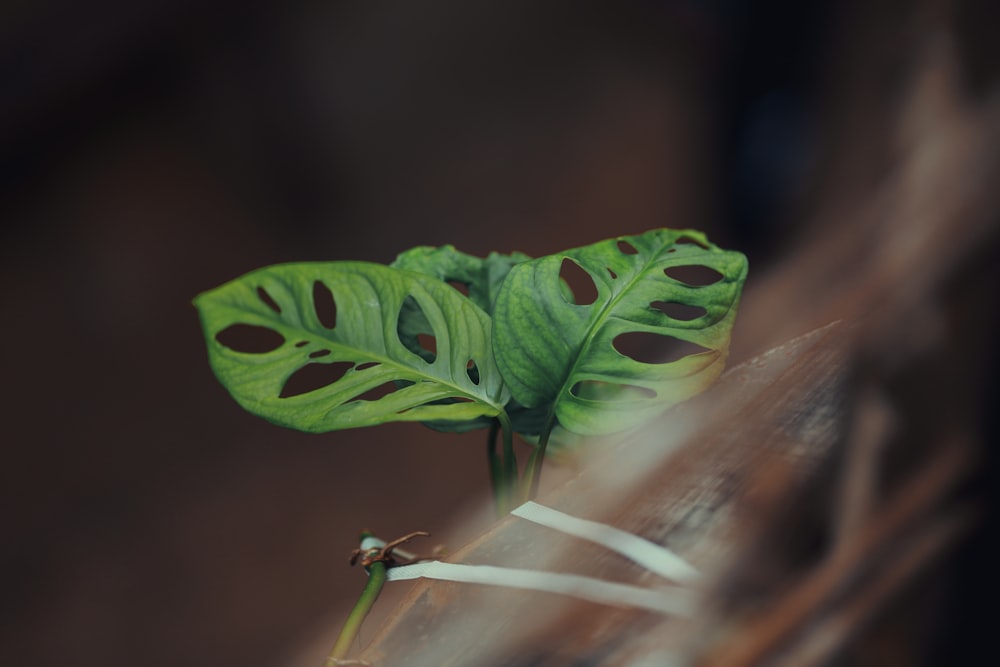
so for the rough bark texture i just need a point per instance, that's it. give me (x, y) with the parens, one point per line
(785, 407)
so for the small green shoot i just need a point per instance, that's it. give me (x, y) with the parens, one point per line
(376, 557)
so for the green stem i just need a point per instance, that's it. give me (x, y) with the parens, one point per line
(509, 461)
(376, 579)
(496, 471)
(533, 471)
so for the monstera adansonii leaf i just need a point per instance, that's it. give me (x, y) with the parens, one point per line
(317, 347)
(656, 334)
(481, 276)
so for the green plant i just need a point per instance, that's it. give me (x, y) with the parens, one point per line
(325, 346)
(375, 557)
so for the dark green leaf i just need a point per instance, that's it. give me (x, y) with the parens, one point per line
(601, 367)
(481, 277)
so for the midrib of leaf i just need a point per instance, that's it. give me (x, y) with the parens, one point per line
(381, 360)
(533, 470)
(599, 320)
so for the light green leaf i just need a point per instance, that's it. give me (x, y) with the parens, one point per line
(481, 276)
(302, 345)
(578, 360)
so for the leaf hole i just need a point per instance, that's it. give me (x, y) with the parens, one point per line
(367, 364)
(595, 390)
(302, 343)
(415, 332)
(375, 393)
(312, 377)
(460, 286)
(268, 300)
(579, 281)
(687, 240)
(428, 343)
(651, 348)
(472, 371)
(678, 311)
(611, 273)
(250, 338)
(627, 248)
(694, 275)
(325, 305)
(319, 353)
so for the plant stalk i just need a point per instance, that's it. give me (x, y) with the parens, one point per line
(496, 469)
(376, 579)
(509, 476)
(533, 471)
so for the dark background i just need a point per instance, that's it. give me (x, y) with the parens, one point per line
(152, 150)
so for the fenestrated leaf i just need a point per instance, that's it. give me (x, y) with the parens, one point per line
(343, 318)
(480, 276)
(567, 358)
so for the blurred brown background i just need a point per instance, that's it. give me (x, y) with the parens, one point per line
(152, 150)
